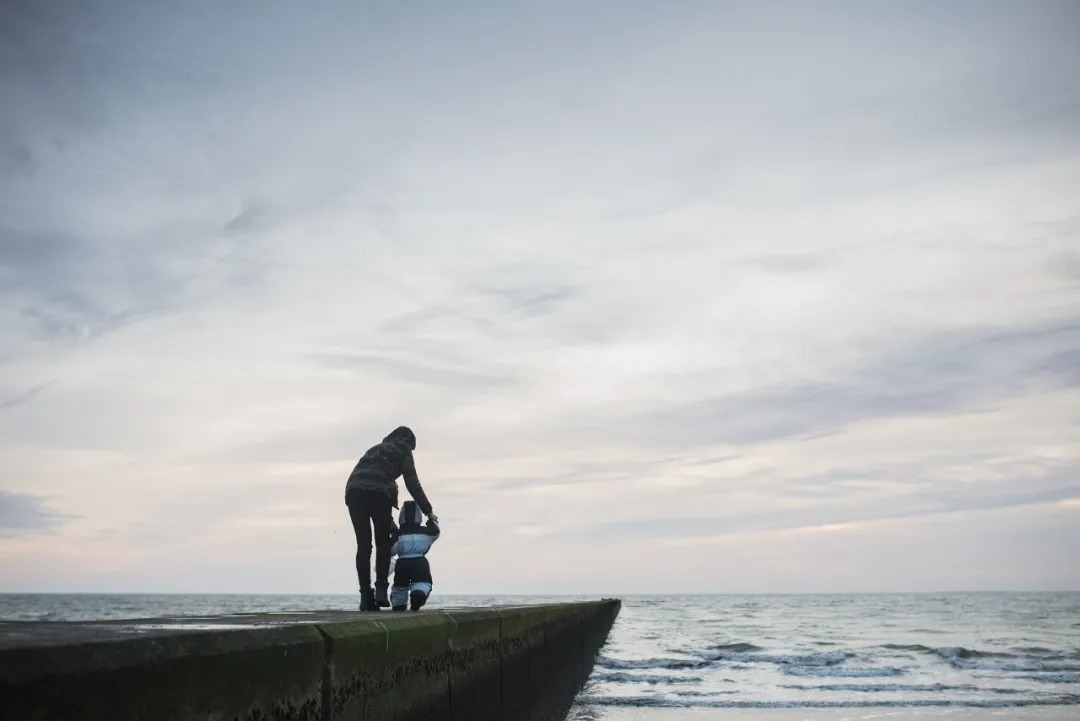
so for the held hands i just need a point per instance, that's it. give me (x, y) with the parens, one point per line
(433, 518)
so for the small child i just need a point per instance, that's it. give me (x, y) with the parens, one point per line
(411, 542)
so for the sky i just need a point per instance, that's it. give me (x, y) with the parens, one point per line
(728, 297)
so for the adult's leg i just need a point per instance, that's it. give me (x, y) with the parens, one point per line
(360, 514)
(380, 521)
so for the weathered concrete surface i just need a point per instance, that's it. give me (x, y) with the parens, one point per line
(273, 673)
(521, 663)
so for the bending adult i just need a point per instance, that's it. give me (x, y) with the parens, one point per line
(370, 493)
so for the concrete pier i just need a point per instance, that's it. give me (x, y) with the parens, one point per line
(511, 663)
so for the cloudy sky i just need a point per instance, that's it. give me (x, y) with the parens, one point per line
(688, 296)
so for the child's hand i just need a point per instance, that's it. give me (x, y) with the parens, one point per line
(434, 519)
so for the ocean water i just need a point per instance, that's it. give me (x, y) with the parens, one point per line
(884, 656)
(947, 651)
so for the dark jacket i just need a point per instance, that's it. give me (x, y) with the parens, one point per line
(379, 468)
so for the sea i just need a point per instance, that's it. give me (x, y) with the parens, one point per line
(961, 656)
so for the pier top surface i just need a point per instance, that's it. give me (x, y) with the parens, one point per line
(36, 634)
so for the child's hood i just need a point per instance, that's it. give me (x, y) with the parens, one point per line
(410, 514)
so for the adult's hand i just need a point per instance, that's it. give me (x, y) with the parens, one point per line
(433, 518)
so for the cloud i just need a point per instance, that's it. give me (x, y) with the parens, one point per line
(24, 397)
(526, 302)
(401, 366)
(67, 289)
(25, 514)
(632, 273)
(784, 263)
(955, 371)
(22, 255)
(917, 503)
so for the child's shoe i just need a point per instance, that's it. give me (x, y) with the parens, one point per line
(417, 599)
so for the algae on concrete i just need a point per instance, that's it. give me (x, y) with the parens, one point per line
(522, 663)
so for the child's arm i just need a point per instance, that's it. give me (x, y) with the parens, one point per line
(431, 528)
(395, 535)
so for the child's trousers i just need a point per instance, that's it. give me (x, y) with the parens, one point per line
(412, 583)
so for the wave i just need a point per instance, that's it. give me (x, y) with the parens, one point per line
(825, 658)
(737, 647)
(704, 702)
(842, 671)
(650, 679)
(973, 660)
(882, 687)
(1036, 651)
(672, 664)
(917, 647)
(1052, 677)
(737, 660)
(951, 652)
(901, 687)
(1013, 664)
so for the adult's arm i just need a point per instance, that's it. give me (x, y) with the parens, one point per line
(412, 485)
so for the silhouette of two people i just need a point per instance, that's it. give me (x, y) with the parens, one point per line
(370, 494)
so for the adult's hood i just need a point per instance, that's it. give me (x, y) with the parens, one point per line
(403, 434)
(410, 514)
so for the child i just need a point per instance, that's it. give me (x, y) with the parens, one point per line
(411, 542)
